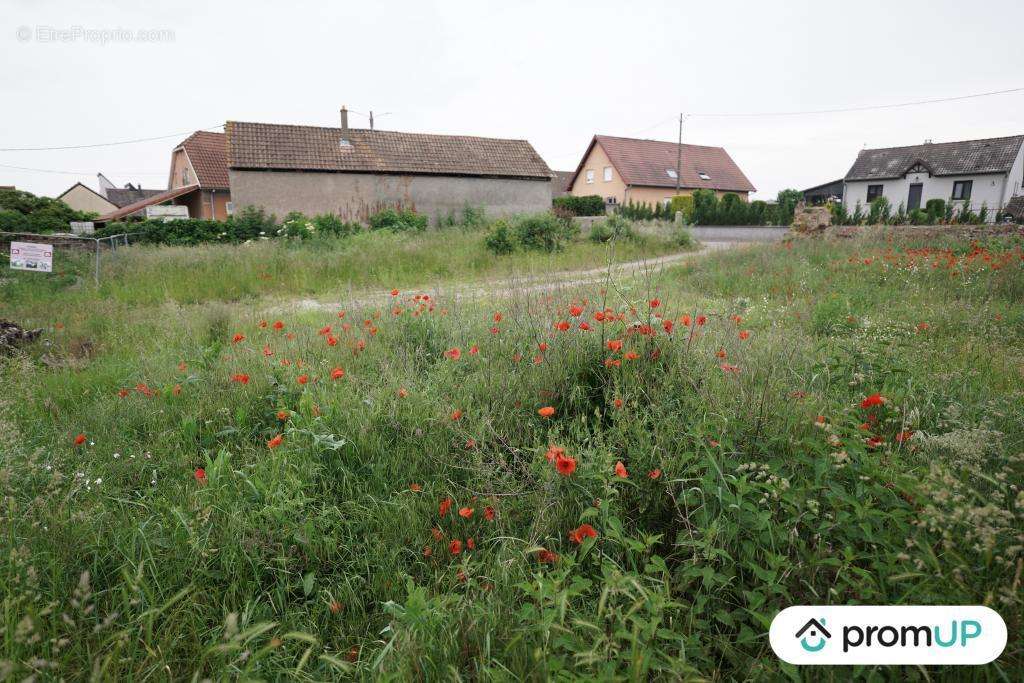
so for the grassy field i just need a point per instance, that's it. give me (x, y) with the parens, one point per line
(624, 481)
(187, 275)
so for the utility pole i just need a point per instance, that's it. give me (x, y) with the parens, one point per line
(679, 154)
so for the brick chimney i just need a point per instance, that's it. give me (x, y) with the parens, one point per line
(344, 142)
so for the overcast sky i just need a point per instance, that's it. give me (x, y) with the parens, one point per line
(552, 72)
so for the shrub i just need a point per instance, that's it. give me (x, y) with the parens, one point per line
(473, 216)
(14, 221)
(879, 211)
(398, 220)
(330, 225)
(296, 225)
(684, 203)
(589, 205)
(251, 222)
(935, 210)
(705, 207)
(542, 232)
(42, 214)
(615, 227)
(917, 217)
(983, 213)
(499, 239)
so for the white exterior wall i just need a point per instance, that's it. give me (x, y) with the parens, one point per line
(1015, 181)
(989, 189)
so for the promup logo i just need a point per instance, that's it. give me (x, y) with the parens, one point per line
(817, 629)
(957, 634)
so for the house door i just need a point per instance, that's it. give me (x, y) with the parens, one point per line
(914, 200)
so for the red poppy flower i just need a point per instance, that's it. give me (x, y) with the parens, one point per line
(701, 320)
(584, 326)
(632, 355)
(267, 352)
(872, 400)
(655, 303)
(474, 350)
(241, 378)
(617, 403)
(326, 329)
(237, 338)
(332, 340)
(122, 393)
(620, 470)
(453, 353)
(554, 452)
(337, 373)
(427, 551)
(546, 556)
(667, 325)
(466, 512)
(200, 475)
(922, 327)
(546, 411)
(80, 439)
(394, 292)
(581, 533)
(455, 546)
(402, 392)
(565, 465)
(275, 442)
(614, 345)
(278, 325)
(282, 415)
(654, 474)
(456, 414)
(497, 317)
(744, 334)
(176, 390)
(903, 437)
(729, 368)
(302, 379)
(685, 321)
(444, 506)
(489, 513)
(470, 544)
(721, 354)
(874, 442)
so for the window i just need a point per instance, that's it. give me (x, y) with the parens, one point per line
(703, 175)
(611, 200)
(962, 189)
(590, 177)
(607, 174)
(874, 192)
(671, 173)
(229, 207)
(184, 176)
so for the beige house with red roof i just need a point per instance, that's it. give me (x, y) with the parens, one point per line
(355, 172)
(202, 159)
(646, 171)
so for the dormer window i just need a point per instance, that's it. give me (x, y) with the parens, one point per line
(671, 173)
(703, 175)
(344, 143)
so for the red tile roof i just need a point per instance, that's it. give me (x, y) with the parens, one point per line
(148, 201)
(266, 146)
(208, 153)
(647, 162)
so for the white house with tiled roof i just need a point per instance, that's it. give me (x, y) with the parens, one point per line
(970, 173)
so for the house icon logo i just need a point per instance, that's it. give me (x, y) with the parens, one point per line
(815, 631)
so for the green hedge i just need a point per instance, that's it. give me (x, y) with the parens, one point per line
(22, 211)
(590, 205)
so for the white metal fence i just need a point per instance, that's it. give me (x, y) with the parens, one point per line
(94, 248)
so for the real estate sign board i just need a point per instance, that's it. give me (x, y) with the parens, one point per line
(32, 256)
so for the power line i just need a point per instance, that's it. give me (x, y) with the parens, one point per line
(85, 173)
(104, 144)
(864, 108)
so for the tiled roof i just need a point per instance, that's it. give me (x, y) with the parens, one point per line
(993, 155)
(208, 153)
(309, 148)
(648, 162)
(560, 182)
(123, 196)
(158, 198)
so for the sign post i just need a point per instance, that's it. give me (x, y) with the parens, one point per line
(32, 256)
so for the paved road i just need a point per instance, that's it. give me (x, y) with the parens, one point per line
(506, 286)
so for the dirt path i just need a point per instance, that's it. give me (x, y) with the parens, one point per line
(507, 285)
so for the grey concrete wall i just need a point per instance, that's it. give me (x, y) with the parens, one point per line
(354, 196)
